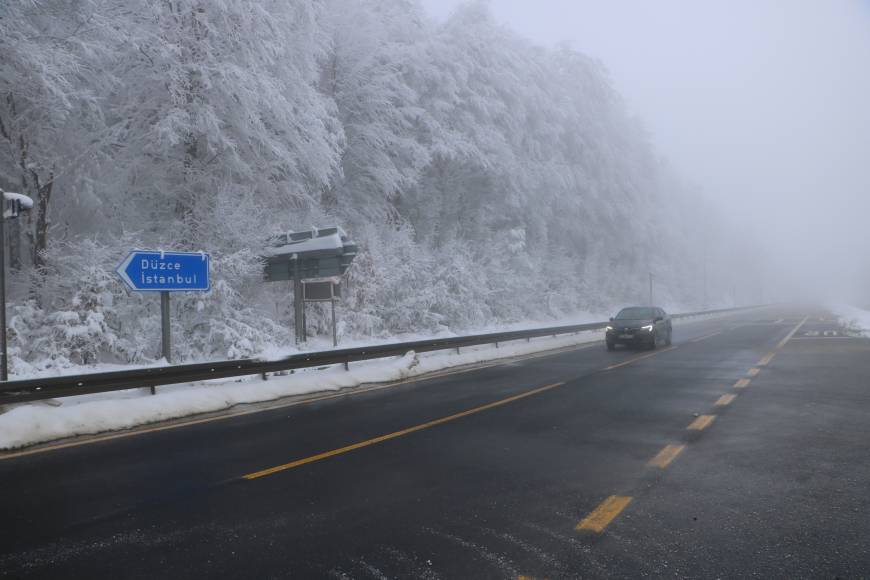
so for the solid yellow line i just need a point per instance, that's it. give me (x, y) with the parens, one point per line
(396, 434)
(702, 422)
(628, 362)
(706, 337)
(766, 360)
(725, 400)
(666, 456)
(604, 513)
(753, 371)
(742, 384)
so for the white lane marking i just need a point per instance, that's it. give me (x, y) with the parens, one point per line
(783, 342)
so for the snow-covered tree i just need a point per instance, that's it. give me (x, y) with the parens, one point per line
(486, 180)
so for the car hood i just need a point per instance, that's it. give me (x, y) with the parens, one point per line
(637, 323)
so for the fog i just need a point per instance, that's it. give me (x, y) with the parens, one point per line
(763, 105)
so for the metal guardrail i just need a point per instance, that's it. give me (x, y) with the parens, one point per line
(71, 385)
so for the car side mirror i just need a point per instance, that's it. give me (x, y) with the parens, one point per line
(611, 319)
(658, 319)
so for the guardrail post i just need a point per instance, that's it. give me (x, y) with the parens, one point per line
(457, 350)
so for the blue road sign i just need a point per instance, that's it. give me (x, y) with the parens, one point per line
(147, 271)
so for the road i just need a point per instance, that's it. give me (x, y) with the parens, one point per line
(742, 451)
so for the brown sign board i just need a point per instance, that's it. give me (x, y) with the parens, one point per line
(321, 291)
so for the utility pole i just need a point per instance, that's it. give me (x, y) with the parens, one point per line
(4, 364)
(705, 274)
(16, 203)
(650, 288)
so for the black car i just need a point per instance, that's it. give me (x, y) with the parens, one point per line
(639, 326)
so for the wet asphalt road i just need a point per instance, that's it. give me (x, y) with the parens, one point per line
(490, 473)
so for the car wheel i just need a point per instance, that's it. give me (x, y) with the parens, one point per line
(654, 340)
(610, 346)
(668, 341)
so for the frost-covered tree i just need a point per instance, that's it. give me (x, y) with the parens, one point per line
(52, 90)
(486, 180)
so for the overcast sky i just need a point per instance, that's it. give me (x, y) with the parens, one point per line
(765, 104)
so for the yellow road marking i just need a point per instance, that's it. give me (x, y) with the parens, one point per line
(635, 359)
(396, 434)
(666, 456)
(725, 400)
(742, 384)
(706, 337)
(267, 406)
(767, 358)
(753, 371)
(604, 513)
(702, 422)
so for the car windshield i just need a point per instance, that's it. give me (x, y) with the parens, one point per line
(636, 313)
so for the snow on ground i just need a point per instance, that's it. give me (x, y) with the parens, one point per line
(38, 422)
(852, 317)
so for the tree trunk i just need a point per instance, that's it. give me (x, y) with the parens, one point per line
(43, 198)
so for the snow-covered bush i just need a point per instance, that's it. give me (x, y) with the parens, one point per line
(227, 321)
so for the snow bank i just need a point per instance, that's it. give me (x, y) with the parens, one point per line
(852, 317)
(91, 414)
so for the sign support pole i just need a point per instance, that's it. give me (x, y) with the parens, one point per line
(298, 302)
(334, 333)
(164, 319)
(166, 330)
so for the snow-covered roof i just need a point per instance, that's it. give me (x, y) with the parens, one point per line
(25, 201)
(324, 243)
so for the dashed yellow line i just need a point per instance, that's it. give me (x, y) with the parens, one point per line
(753, 371)
(605, 513)
(706, 336)
(702, 422)
(397, 434)
(766, 360)
(637, 358)
(742, 384)
(725, 400)
(664, 457)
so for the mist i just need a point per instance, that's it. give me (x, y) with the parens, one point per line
(761, 106)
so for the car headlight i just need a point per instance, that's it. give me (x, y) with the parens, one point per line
(608, 328)
(647, 328)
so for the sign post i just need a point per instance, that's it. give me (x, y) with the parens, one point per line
(299, 256)
(165, 272)
(334, 333)
(326, 291)
(165, 326)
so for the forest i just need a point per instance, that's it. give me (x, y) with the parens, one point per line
(485, 179)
